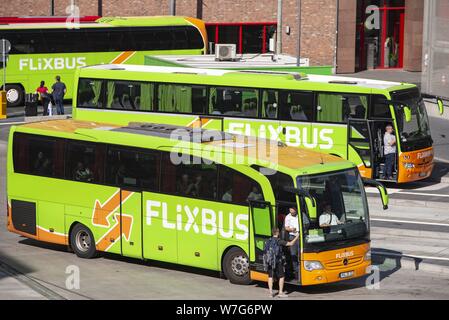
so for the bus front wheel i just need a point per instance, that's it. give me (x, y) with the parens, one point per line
(82, 242)
(14, 95)
(236, 266)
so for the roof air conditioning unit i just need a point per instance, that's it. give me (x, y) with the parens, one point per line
(225, 52)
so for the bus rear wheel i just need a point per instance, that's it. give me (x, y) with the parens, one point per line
(82, 242)
(236, 266)
(14, 95)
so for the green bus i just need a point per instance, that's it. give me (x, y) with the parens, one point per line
(342, 116)
(40, 51)
(189, 196)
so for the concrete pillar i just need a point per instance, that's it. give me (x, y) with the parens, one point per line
(413, 38)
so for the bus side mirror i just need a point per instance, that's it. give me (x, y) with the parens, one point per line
(407, 113)
(440, 106)
(382, 190)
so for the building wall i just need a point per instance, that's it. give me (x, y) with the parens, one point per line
(413, 34)
(347, 19)
(317, 34)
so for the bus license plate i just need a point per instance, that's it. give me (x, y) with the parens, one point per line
(346, 274)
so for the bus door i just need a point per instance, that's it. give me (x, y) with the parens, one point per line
(261, 221)
(282, 210)
(360, 145)
(131, 223)
(377, 133)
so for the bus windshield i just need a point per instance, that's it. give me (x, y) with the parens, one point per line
(414, 134)
(342, 210)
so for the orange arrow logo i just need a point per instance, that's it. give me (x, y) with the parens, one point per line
(114, 234)
(103, 211)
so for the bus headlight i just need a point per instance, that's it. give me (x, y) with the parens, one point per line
(408, 165)
(312, 265)
(368, 255)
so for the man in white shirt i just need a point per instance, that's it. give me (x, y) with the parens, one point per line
(389, 151)
(327, 218)
(291, 224)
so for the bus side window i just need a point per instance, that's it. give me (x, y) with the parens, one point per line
(89, 93)
(191, 178)
(239, 102)
(237, 188)
(84, 162)
(127, 167)
(174, 98)
(123, 95)
(296, 106)
(380, 110)
(37, 155)
(270, 104)
(338, 108)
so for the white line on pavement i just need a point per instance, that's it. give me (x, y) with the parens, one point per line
(424, 194)
(412, 222)
(408, 255)
(9, 123)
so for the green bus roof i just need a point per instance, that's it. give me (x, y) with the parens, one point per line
(241, 78)
(290, 160)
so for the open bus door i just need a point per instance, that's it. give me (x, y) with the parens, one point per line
(261, 224)
(360, 145)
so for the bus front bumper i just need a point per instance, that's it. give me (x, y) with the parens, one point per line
(328, 276)
(415, 165)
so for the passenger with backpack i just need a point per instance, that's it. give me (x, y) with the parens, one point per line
(274, 261)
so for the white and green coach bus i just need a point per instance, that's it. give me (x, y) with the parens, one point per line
(187, 196)
(345, 117)
(40, 51)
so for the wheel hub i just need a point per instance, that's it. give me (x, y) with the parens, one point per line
(240, 265)
(83, 241)
(12, 95)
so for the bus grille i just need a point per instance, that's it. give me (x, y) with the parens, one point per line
(338, 263)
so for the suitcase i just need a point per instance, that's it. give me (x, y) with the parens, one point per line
(30, 109)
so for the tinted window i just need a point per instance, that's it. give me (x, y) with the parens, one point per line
(90, 93)
(237, 188)
(270, 104)
(38, 155)
(190, 178)
(133, 168)
(123, 95)
(296, 106)
(181, 98)
(340, 107)
(278, 181)
(26, 41)
(103, 39)
(234, 102)
(380, 110)
(84, 162)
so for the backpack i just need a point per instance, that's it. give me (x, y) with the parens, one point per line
(272, 254)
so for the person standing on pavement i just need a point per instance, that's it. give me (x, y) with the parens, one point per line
(291, 224)
(389, 151)
(59, 90)
(274, 261)
(42, 90)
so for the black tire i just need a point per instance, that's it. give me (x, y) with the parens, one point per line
(14, 95)
(82, 242)
(236, 266)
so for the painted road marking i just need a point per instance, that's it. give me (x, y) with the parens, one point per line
(408, 255)
(412, 222)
